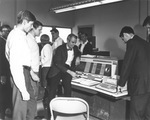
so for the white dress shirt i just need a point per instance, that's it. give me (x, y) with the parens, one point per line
(82, 46)
(34, 49)
(59, 41)
(46, 55)
(70, 56)
(18, 54)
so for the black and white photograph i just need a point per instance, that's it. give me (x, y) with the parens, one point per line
(74, 59)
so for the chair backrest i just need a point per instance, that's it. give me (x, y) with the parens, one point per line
(69, 107)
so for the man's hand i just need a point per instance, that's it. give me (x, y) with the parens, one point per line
(73, 74)
(77, 61)
(3, 80)
(119, 89)
(25, 95)
(34, 76)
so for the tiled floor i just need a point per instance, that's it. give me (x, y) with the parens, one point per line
(41, 112)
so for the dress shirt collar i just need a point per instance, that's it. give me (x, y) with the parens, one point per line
(3, 38)
(132, 36)
(84, 42)
(31, 36)
(68, 49)
(19, 30)
(57, 39)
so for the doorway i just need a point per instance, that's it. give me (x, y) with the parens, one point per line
(88, 29)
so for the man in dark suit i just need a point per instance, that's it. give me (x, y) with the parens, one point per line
(136, 72)
(5, 86)
(85, 46)
(64, 61)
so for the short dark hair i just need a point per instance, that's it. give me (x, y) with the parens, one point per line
(54, 30)
(80, 32)
(70, 36)
(5, 26)
(44, 38)
(126, 29)
(85, 34)
(36, 24)
(27, 15)
(146, 21)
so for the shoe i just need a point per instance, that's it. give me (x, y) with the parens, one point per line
(8, 112)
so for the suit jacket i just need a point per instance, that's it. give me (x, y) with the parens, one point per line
(87, 49)
(4, 64)
(136, 67)
(59, 60)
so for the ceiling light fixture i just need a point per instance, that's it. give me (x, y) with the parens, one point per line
(91, 4)
(64, 9)
(81, 5)
(109, 1)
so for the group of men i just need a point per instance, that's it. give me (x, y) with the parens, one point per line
(136, 72)
(22, 52)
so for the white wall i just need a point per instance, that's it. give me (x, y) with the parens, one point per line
(108, 21)
(7, 12)
(41, 9)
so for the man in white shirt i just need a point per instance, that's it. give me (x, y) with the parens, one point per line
(46, 61)
(35, 57)
(46, 58)
(85, 46)
(18, 55)
(57, 41)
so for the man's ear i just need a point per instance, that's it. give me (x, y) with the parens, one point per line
(130, 34)
(24, 22)
(127, 34)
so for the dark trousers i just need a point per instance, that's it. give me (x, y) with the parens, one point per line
(5, 97)
(35, 86)
(24, 110)
(140, 107)
(44, 72)
(54, 81)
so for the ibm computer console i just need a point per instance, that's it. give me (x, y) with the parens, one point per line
(99, 74)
